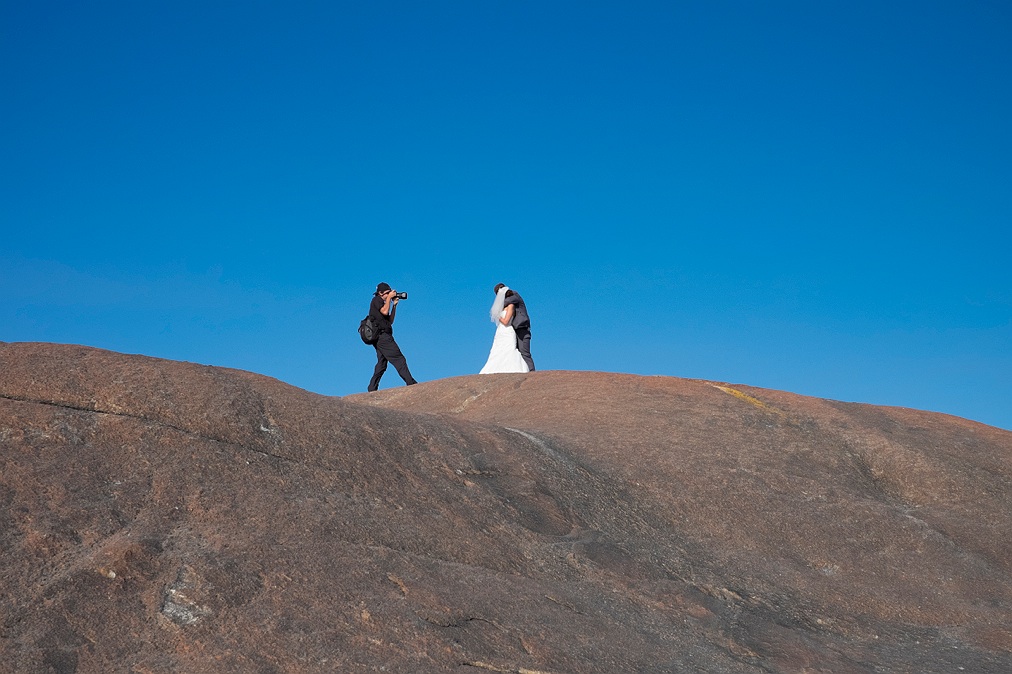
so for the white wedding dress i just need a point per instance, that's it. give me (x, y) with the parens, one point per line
(504, 356)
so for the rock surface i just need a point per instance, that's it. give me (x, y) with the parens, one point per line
(170, 517)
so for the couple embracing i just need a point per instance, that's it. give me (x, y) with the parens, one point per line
(511, 347)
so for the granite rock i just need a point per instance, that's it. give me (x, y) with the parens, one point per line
(162, 516)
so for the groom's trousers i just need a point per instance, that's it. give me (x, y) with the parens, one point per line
(388, 351)
(524, 346)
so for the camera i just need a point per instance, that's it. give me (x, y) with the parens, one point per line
(401, 296)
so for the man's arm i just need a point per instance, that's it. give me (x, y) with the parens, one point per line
(389, 307)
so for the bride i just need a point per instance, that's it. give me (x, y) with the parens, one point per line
(504, 356)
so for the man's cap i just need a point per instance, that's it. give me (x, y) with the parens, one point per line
(382, 288)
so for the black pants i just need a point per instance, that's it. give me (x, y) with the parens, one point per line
(524, 346)
(388, 351)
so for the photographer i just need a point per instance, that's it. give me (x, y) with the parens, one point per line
(383, 309)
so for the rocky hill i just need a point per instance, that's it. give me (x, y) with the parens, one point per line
(170, 517)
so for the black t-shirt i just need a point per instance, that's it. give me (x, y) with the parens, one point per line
(384, 322)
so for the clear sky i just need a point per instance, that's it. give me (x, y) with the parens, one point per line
(807, 196)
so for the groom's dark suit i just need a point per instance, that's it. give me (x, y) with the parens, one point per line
(521, 323)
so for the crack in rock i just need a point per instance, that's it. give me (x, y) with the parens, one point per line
(273, 431)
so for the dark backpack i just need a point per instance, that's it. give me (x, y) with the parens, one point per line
(368, 330)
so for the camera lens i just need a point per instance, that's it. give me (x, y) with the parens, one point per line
(402, 296)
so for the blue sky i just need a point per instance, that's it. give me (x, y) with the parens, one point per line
(812, 197)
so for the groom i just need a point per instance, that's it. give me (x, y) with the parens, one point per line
(521, 323)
